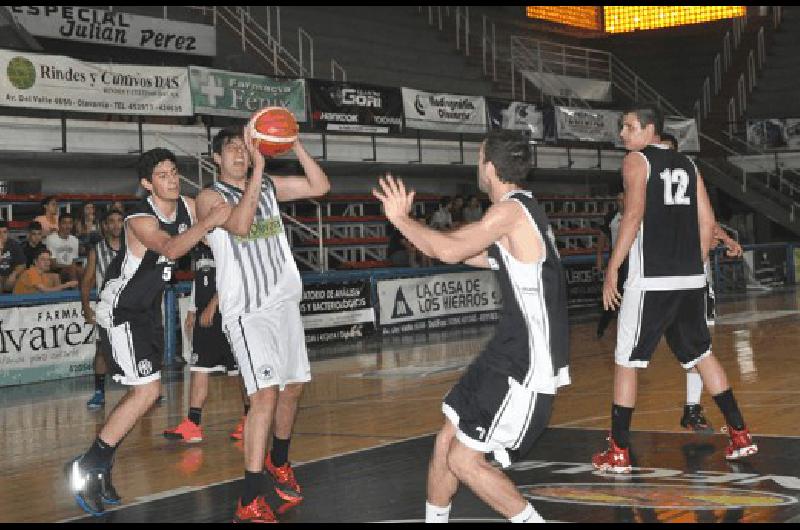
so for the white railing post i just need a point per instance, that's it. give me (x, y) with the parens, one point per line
(513, 84)
(243, 26)
(726, 50)
(336, 66)
(483, 45)
(466, 30)
(731, 117)
(696, 109)
(741, 88)
(706, 97)
(494, 54)
(751, 71)
(458, 28)
(776, 16)
(762, 54)
(717, 74)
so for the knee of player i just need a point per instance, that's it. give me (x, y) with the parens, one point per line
(460, 459)
(149, 392)
(264, 399)
(293, 391)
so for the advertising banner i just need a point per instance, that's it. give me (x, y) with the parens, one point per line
(355, 107)
(62, 83)
(45, 342)
(335, 311)
(444, 112)
(115, 28)
(774, 134)
(685, 131)
(564, 86)
(588, 125)
(223, 93)
(516, 116)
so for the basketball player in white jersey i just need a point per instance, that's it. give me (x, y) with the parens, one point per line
(158, 231)
(260, 290)
(97, 262)
(693, 417)
(668, 230)
(502, 403)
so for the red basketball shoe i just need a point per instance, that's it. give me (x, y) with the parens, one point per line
(257, 511)
(286, 485)
(614, 459)
(741, 444)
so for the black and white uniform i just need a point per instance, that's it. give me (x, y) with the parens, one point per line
(259, 295)
(104, 255)
(129, 310)
(711, 300)
(211, 351)
(504, 400)
(665, 287)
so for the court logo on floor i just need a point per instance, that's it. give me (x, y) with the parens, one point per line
(662, 496)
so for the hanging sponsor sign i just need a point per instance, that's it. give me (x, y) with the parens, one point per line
(774, 134)
(685, 131)
(584, 285)
(435, 302)
(444, 112)
(564, 86)
(114, 28)
(223, 93)
(516, 116)
(588, 125)
(44, 342)
(62, 83)
(355, 107)
(337, 311)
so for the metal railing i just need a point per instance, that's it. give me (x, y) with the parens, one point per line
(302, 35)
(462, 21)
(489, 44)
(717, 74)
(335, 66)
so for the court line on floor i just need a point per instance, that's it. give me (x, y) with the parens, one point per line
(756, 434)
(188, 489)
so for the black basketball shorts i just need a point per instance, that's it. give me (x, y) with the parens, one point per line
(211, 351)
(136, 347)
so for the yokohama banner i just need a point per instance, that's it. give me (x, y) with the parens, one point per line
(516, 116)
(444, 112)
(355, 107)
(62, 83)
(44, 342)
(435, 302)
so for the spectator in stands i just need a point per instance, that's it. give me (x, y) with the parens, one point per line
(472, 211)
(49, 217)
(443, 218)
(401, 252)
(33, 244)
(38, 279)
(65, 249)
(457, 210)
(119, 206)
(12, 260)
(86, 228)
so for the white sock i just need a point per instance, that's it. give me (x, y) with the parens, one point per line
(694, 388)
(437, 514)
(528, 515)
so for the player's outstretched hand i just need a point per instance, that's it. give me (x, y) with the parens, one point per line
(397, 202)
(611, 297)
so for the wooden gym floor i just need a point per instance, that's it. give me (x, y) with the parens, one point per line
(386, 394)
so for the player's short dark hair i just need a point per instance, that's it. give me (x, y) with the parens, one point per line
(34, 225)
(647, 114)
(510, 153)
(150, 159)
(65, 215)
(444, 201)
(224, 136)
(667, 137)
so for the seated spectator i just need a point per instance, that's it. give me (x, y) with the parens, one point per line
(33, 243)
(64, 248)
(38, 279)
(472, 211)
(119, 206)
(86, 228)
(48, 219)
(443, 218)
(12, 259)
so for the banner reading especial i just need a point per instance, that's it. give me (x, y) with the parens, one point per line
(62, 83)
(115, 28)
(44, 342)
(355, 107)
(516, 116)
(588, 125)
(565, 86)
(334, 311)
(444, 112)
(223, 93)
(685, 131)
(432, 302)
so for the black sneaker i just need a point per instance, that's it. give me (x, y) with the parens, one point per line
(108, 492)
(87, 486)
(694, 420)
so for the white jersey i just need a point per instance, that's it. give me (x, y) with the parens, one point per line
(257, 272)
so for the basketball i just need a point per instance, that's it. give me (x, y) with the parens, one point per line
(274, 130)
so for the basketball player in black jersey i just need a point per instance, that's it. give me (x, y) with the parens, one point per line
(97, 262)
(502, 403)
(668, 230)
(157, 232)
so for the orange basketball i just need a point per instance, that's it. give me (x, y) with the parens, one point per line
(274, 130)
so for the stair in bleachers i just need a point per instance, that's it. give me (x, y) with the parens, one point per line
(775, 96)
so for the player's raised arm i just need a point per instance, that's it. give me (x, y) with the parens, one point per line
(314, 184)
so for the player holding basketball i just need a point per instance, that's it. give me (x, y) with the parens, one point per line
(667, 229)
(259, 293)
(502, 404)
